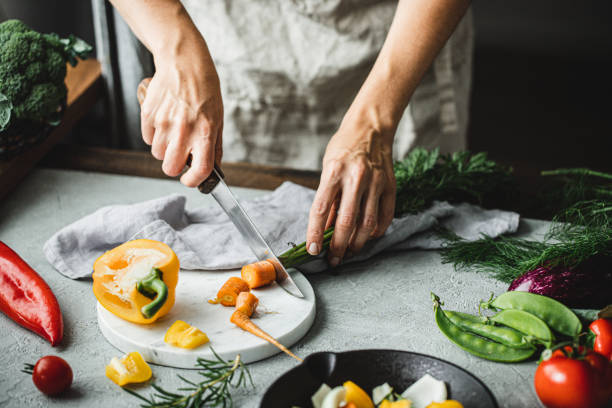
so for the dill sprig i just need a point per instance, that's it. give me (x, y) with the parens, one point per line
(220, 377)
(581, 230)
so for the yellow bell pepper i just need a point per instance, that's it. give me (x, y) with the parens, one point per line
(184, 335)
(446, 404)
(131, 368)
(357, 395)
(397, 404)
(136, 281)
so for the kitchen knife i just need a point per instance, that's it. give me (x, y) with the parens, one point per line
(215, 186)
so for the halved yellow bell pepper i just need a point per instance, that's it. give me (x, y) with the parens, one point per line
(131, 368)
(136, 281)
(357, 395)
(397, 404)
(184, 335)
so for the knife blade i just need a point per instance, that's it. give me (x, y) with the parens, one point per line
(215, 186)
(249, 232)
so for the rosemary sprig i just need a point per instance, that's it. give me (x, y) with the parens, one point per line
(220, 377)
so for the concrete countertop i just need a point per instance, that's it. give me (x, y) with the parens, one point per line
(381, 303)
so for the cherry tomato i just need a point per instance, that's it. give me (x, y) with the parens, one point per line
(602, 343)
(52, 375)
(573, 378)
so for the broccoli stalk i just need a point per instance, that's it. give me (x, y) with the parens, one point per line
(32, 73)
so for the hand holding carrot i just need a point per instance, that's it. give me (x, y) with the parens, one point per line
(357, 188)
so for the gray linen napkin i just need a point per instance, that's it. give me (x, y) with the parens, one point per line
(205, 238)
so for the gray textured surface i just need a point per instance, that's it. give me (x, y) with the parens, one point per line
(380, 303)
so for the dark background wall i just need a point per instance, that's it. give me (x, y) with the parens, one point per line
(542, 75)
(542, 82)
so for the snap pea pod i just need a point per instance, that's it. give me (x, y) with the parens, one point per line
(477, 345)
(555, 314)
(526, 323)
(475, 324)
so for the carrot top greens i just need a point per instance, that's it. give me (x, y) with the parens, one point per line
(426, 176)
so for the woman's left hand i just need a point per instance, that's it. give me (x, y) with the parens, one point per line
(357, 189)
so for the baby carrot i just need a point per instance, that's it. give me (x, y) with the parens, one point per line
(247, 302)
(230, 290)
(240, 319)
(259, 273)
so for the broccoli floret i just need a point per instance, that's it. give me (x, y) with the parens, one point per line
(32, 72)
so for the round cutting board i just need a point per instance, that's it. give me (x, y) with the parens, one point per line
(285, 317)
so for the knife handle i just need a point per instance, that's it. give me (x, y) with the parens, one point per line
(211, 181)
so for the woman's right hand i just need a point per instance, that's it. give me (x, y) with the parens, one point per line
(182, 112)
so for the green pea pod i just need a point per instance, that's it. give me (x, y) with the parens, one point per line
(526, 323)
(555, 314)
(476, 324)
(477, 345)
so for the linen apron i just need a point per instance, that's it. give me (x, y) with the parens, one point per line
(289, 70)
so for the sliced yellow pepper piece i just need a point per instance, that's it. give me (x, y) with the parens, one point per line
(397, 404)
(446, 404)
(357, 396)
(131, 368)
(184, 335)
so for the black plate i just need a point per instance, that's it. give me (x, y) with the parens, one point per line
(370, 368)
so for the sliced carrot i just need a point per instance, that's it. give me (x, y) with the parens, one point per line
(259, 273)
(230, 290)
(247, 302)
(350, 405)
(240, 319)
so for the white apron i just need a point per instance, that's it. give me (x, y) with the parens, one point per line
(289, 70)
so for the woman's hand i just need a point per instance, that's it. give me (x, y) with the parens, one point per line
(182, 114)
(357, 188)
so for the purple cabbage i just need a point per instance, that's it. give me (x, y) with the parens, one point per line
(588, 285)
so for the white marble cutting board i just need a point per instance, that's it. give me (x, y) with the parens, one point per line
(283, 316)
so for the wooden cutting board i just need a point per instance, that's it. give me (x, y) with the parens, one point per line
(283, 316)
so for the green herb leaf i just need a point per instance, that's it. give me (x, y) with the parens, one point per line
(220, 377)
(6, 108)
(75, 47)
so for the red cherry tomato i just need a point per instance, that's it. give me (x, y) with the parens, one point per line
(52, 375)
(577, 380)
(602, 330)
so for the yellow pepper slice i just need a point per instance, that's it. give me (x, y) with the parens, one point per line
(446, 404)
(184, 335)
(357, 395)
(136, 281)
(131, 368)
(397, 404)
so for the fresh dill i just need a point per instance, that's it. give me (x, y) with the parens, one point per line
(220, 377)
(581, 230)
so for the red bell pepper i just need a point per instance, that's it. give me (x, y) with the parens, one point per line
(27, 299)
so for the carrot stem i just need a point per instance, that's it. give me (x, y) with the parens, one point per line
(298, 255)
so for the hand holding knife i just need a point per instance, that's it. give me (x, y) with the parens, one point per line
(215, 185)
